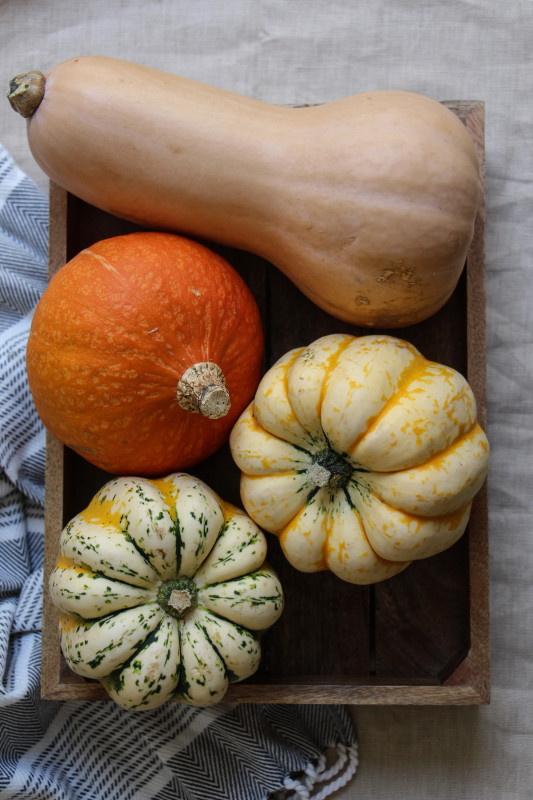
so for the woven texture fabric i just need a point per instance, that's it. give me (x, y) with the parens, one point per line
(97, 750)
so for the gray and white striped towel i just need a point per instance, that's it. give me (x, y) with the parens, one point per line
(92, 751)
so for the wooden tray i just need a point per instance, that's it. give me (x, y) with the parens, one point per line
(420, 638)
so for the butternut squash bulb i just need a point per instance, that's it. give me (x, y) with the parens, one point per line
(366, 203)
(360, 455)
(143, 350)
(163, 592)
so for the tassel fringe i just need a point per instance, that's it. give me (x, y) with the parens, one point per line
(321, 781)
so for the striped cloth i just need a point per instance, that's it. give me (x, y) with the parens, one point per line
(98, 750)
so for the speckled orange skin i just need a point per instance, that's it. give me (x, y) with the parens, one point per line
(114, 332)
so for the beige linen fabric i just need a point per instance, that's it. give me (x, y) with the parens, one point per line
(311, 51)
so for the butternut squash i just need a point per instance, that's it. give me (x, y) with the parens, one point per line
(366, 203)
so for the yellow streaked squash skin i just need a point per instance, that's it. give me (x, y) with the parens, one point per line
(163, 592)
(360, 455)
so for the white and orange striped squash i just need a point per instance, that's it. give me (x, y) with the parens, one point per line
(163, 592)
(361, 455)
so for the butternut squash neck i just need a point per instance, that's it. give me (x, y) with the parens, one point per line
(206, 138)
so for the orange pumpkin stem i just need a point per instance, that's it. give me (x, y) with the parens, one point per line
(202, 390)
(26, 92)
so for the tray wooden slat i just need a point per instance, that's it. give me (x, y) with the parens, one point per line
(421, 638)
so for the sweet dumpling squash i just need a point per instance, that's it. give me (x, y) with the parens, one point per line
(163, 592)
(360, 455)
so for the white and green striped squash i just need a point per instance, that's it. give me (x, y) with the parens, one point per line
(163, 592)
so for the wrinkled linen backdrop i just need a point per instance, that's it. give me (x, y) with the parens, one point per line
(310, 51)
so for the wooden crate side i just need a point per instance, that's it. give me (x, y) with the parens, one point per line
(476, 373)
(51, 657)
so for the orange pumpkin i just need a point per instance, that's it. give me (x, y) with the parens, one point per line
(143, 351)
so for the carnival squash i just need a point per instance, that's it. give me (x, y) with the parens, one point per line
(143, 351)
(360, 455)
(163, 592)
(366, 203)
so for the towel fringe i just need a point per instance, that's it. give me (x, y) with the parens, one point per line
(334, 777)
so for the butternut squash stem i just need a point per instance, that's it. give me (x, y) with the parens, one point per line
(202, 390)
(26, 92)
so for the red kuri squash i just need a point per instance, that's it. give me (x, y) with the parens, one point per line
(143, 351)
